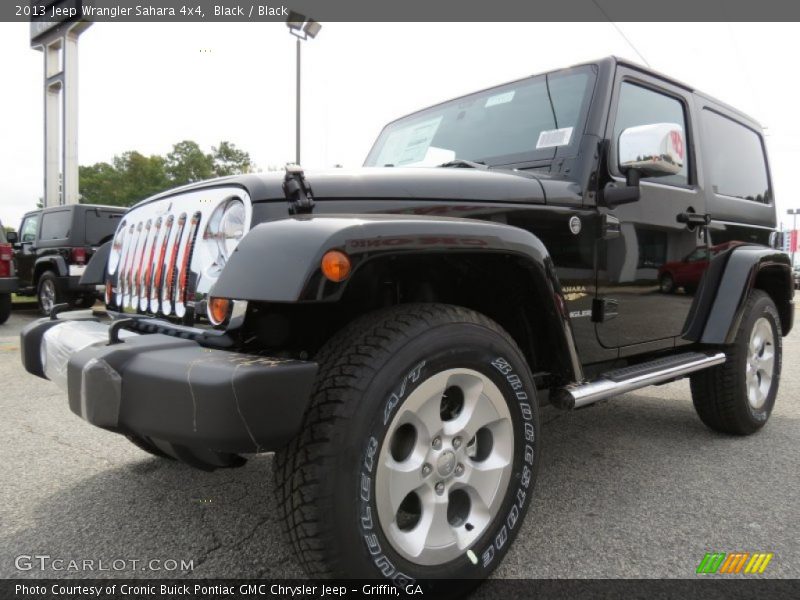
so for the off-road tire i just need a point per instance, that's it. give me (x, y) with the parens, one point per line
(720, 393)
(48, 284)
(5, 307)
(324, 477)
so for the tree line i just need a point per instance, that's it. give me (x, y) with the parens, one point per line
(132, 176)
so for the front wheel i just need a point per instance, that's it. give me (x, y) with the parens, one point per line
(738, 396)
(419, 451)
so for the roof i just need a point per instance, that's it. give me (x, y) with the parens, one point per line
(88, 206)
(666, 78)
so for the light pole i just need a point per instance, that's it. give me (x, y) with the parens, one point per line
(793, 236)
(302, 29)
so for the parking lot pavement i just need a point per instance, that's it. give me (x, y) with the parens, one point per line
(632, 487)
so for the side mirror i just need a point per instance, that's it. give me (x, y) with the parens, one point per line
(645, 151)
(11, 237)
(653, 150)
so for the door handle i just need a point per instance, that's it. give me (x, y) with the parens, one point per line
(693, 218)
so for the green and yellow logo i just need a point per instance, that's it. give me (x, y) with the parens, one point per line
(734, 562)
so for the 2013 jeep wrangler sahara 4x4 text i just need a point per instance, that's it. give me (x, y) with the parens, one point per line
(390, 332)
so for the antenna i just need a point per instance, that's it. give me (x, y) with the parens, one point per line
(624, 37)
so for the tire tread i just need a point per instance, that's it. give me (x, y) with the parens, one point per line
(717, 392)
(346, 366)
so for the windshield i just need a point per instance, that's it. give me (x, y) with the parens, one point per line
(527, 120)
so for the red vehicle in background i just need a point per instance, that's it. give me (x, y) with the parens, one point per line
(686, 273)
(8, 283)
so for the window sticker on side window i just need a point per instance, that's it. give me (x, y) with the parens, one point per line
(499, 99)
(550, 138)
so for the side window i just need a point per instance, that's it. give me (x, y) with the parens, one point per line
(55, 225)
(641, 106)
(27, 232)
(736, 162)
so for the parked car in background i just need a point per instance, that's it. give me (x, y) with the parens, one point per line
(686, 273)
(8, 283)
(53, 247)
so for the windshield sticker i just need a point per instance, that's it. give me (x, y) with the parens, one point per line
(499, 99)
(554, 137)
(410, 144)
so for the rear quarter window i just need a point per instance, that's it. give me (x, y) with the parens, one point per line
(734, 153)
(100, 225)
(55, 225)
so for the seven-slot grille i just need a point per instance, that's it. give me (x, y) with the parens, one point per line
(154, 263)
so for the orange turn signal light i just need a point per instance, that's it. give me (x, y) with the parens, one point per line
(336, 265)
(218, 309)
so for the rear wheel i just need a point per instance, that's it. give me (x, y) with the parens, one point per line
(47, 293)
(738, 396)
(419, 451)
(5, 307)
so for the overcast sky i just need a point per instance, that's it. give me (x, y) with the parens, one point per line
(146, 86)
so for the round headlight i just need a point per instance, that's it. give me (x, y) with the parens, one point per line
(231, 227)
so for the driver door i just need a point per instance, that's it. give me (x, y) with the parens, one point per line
(636, 310)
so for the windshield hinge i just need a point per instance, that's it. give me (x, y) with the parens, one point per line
(297, 191)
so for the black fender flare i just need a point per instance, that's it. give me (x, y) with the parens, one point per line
(279, 261)
(718, 306)
(95, 273)
(49, 262)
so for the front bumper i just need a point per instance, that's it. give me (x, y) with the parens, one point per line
(170, 390)
(8, 285)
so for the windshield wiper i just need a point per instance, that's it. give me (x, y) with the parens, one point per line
(464, 164)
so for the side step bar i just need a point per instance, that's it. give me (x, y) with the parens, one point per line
(638, 376)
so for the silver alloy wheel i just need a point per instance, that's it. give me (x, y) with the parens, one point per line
(760, 363)
(47, 295)
(444, 466)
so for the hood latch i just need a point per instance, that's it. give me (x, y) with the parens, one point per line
(297, 191)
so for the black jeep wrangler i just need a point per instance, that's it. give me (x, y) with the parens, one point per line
(53, 247)
(390, 332)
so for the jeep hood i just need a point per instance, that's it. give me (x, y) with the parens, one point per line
(375, 183)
